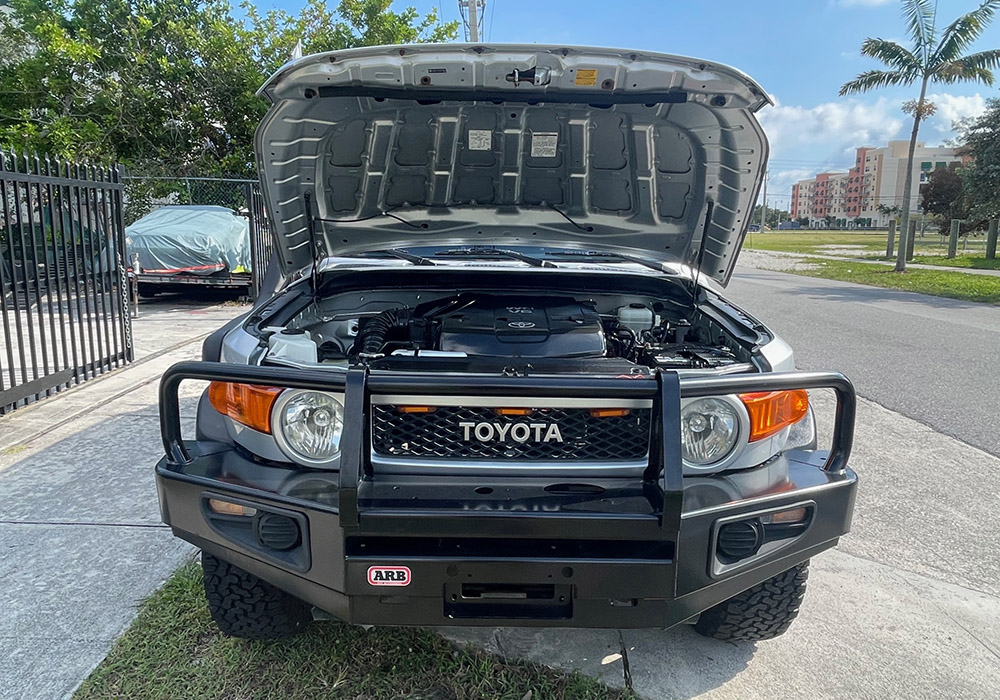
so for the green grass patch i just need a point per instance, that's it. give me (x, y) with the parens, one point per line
(942, 283)
(173, 650)
(811, 241)
(974, 262)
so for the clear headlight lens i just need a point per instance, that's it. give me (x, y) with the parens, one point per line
(308, 425)
(709, 431)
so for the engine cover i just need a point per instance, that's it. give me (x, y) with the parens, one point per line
(523, 327)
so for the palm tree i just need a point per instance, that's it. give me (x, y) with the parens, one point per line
(931, 60)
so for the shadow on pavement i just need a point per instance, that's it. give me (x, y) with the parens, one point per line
(675, 663)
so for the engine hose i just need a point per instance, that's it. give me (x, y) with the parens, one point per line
(372, 338)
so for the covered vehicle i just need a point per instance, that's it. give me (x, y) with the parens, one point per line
(495, 380)
(181, 245)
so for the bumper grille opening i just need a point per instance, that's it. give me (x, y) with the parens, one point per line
(503, 548)
(479, 433)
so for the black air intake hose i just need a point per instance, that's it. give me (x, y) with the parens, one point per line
(372, 338)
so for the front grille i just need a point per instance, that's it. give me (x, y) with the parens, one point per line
(440, 435)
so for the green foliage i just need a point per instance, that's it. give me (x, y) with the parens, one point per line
(166, 86)
(981, 178)
(174, 650)
(930, 59)
(942, 195)
(774, 216)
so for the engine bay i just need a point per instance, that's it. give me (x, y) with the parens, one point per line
(488, 330)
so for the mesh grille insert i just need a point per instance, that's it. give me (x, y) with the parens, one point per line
(441, 435)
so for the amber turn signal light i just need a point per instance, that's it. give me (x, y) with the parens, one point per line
(513, 411)
(772, 411)
(608, 412)
(249, 404)
(416, 409)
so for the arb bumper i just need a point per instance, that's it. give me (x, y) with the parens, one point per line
(478, 549)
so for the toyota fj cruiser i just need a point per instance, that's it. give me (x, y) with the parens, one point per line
(493, 380)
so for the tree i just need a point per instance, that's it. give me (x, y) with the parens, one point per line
(166, 86)
(930, 60)
(944, 197)
(774, 216)
(942, 194)
(981, 177)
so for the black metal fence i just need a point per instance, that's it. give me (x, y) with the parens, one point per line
(144, 193)
(63, 286)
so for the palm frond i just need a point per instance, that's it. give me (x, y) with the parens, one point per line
(874, 79)
(919, 18)
(963, 31)
(977, 67)
(891, 54)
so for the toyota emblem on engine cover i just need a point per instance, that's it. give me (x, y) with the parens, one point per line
(521, 324)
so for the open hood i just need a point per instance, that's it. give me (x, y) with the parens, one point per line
(506, 145)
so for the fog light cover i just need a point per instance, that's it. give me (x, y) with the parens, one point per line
(308, 426)
(709, 431)
(740, 540)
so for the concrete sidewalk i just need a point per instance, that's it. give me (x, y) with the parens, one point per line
(81, 543)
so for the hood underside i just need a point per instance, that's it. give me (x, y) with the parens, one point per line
(597, 149)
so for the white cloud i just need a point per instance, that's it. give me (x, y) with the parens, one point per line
(951, 108)
(839, 126)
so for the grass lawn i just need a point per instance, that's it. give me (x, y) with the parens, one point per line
(976, 262)
(173, 650)
(930, 249)
(810, 241)
(942, 283)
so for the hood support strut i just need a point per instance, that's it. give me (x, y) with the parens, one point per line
(314, 242)
(701, 252)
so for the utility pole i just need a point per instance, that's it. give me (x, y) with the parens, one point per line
(763, 206)
(470, 10)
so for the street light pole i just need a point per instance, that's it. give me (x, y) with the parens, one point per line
(763, 207)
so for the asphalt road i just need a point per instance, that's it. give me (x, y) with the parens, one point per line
(934, 360)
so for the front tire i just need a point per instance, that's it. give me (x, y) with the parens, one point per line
(245, 606)
(763, 612)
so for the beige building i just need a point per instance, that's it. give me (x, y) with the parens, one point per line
(853, 199)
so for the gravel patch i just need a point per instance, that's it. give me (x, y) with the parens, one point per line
(771, 260)
(850, 251)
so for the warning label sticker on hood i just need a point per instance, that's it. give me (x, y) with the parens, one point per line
(543, 144)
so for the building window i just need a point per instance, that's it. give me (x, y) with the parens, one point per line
(940, 164)
(926, 165)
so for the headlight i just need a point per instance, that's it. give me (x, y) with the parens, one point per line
(710, 429)
(308, 425)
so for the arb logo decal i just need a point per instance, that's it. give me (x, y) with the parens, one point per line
(388, 576)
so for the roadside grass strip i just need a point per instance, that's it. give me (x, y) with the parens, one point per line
(942, 283)
(173, 650)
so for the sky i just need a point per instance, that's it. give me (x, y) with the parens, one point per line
(800, 51)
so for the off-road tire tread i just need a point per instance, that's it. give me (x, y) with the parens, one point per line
(763, 612)
(244, 606)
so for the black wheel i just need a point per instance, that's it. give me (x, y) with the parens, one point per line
(148, 291)
(243, 605)
(762, 612)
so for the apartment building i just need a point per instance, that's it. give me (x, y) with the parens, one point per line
(870, 192)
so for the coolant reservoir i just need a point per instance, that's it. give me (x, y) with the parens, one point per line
(293, 344)
(636, 317)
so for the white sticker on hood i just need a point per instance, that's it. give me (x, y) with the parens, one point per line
(543, 145)
(480, 139)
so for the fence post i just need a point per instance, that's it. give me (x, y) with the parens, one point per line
(911, 240)
(991, 239)
(890, 243)
(956, 225)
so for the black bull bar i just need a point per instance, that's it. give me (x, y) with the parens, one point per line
(665, 389)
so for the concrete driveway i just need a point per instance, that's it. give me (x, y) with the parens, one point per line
(81, 543)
